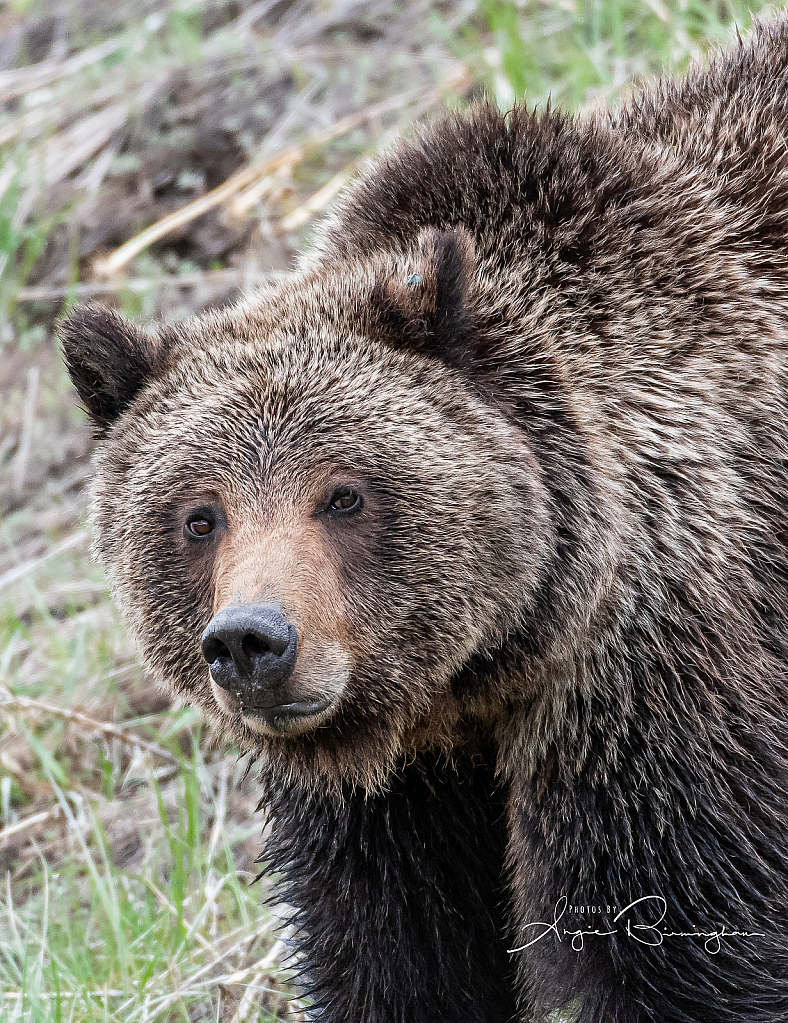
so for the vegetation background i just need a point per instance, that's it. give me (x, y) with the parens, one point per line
(164, 156)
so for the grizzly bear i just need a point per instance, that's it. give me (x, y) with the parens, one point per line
(474, 531)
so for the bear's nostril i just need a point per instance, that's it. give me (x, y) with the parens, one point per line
(214, 650)
(254, 646)
(251, 649)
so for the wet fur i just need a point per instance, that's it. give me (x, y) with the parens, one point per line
(563, 345)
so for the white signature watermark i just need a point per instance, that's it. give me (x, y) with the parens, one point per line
(622, 923)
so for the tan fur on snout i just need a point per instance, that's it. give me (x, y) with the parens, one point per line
(285, 561)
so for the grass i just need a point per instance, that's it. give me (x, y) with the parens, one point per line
(171, 939)
(575, 52)
(126, 840)
(127, 890)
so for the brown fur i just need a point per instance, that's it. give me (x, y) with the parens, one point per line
(551, 355)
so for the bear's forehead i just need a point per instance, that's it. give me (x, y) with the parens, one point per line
(296, 403)
(292, 381)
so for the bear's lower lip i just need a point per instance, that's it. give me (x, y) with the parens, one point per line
(283, 717)
(290, 718)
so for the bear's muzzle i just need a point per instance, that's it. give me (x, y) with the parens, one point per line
(251, 650)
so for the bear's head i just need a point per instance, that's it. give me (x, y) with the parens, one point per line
(312, 516)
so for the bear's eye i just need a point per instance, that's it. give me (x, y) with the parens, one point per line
(345, 500)
(199, 525)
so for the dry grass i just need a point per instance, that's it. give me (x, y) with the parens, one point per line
(166, 157)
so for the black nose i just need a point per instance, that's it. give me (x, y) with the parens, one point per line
(252, 651)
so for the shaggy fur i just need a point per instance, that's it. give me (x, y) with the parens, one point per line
(551, 356)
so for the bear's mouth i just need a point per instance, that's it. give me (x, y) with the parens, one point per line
(283, 718)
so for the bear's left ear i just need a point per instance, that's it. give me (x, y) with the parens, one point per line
(108, 359)
(427, 307)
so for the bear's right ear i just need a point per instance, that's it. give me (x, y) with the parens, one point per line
(108, 360)
(427, 306)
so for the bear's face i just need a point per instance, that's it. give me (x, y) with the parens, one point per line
(308, 531)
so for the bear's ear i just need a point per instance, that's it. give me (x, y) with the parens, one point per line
(427, 308)
(108, 360)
